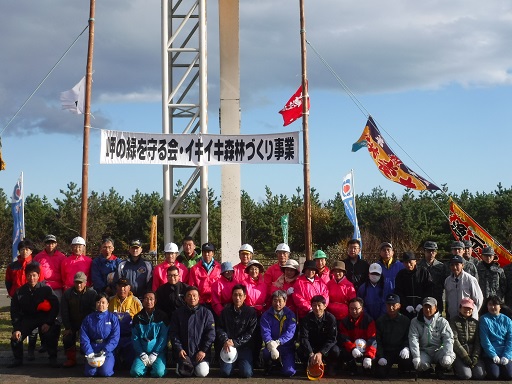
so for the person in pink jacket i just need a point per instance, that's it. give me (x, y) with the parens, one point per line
(245, 253)
(341, 290)
(204, 274)
(307, 286)
(51, 260)
(274, 271)
(258, 294)
(291, 271)
(321, 264)
(160, 271)
(222, 288)
(76, 262)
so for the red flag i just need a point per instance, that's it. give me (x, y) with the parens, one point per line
(293, 108)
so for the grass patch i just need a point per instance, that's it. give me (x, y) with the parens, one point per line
(5, 329)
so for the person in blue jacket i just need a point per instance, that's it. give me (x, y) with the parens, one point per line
(99, 334)
(374, 292)
(149, 335)
(192, 333)
(390, 265)
(103, 268)
(278, 325)
(496, 339)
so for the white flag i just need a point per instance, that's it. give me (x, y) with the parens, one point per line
(74, 99)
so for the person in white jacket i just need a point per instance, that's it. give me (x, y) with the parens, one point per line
(431, 340)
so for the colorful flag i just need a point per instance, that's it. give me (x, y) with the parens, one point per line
(349, 202)
(74, 99)
(293, 108)
(18, 216)
(388, 163)
(463, 227)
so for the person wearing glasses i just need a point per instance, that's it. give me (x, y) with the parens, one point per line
(171, 295)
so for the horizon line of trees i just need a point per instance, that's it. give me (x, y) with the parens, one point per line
(406, 221)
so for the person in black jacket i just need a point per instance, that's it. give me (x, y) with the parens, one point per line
(236, 327)
(412, 284)
(171, 295)
(192, 333)
(356, 267)
(34, 305)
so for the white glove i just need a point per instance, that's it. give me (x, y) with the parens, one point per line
(367, 363)
(152, 358)
(382, 361)
(504, 361)
(272, 345)
(496, 359)
(419, 307)
(145, 358)
(90, 355)
(289, 291)
(409, 309)
(404, 353)
(274, 354)
(356, 353)
(416, 362)
(446, 361)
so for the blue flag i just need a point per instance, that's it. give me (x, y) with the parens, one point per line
(349, 202)
(18, 231)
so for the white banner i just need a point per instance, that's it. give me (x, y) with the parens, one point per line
(119, 147)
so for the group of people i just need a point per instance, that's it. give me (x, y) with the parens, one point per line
(129, 313)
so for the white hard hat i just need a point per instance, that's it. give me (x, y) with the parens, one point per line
(97, 360)
(171, 247)
(283, 247)
(360, 345)
(78, 240)
(246, 247)
(229, 357)
(202, 369)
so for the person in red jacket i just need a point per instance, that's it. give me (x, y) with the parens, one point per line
(357, 333)
(204, 274)
(245, 253)
(15, 272)
(341, 291)
(307, 286)
(221, 289)
(291, 271)
(274, 271)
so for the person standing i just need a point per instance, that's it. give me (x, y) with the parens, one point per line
(390, 266)
(321, 264)
(160, 271)
(205, 273)
(171, 295)
(274, 271)
(457, 249)
(15, 272)
(136, 270)
(103, 268)
(341, 291)
(438, 271)
(245, 253)
(221, 289)
(307, 286)
(189, 256)
(50, 259)
(491, 276)
(76, 262)
(374, 292)
(357, 268)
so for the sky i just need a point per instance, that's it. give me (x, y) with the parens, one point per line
(435, 76)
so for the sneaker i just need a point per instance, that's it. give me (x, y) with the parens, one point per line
(15, 363)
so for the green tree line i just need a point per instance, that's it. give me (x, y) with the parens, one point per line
(407, 221)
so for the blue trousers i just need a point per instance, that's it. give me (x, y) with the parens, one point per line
(243, 362)
(494, 371)
(156, 370)
(106, 370)
(287, 357)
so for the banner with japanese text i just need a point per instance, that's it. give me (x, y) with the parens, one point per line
(119, 147)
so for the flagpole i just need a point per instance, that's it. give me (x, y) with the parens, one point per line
(305, 96)
(87, 122)
(22, 237)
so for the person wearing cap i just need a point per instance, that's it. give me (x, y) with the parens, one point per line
(321, 264)
(76, 262)
(205, 273)
(160, 271)
(103, 268)
(431, 340)
(99, 334)
(438, 271)
(137, 270)
(76, 304)
(357, 325)
(171, 295)
(274, 271)
(50, 259)
(318, 333)
(496, 339)
(458, 285)
(392, 336)
(468, 252)
(192, 334)
(340, 291)
(15, 272)
(189, 255)
(457, 249)
(291, 271)
(374, 292)
(245, 253)
(491, 276)
(466, 343)
(357, 268)
(390, 266)
(307, 286)
(150, 328)
(412, 284)
(125, 305)
(222, 287)
(235, 329)
(278, 325)
(34, 305)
